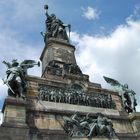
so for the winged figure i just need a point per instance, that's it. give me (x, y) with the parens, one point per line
(127, 95)
(15, 76)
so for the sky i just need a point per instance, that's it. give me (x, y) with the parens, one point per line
(105, 33)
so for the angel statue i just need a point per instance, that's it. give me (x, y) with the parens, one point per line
(15, 76)
(127, 95)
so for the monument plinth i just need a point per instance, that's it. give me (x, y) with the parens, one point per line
(14, 112)
(56, 53)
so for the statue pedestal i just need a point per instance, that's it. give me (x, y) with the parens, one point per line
(58, 51)
(135, 117)
(14, 111)
(14, 125)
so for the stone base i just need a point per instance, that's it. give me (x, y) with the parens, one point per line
(14, 111)
(13, 133)
(43, 121)
(57, 50)
(62, 107)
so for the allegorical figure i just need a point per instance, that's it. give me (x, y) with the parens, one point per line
(127, 95)
(15, 77)
(54, 27)
(102, 126)
(88, 126)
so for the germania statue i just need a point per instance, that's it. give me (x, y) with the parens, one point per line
(55, 28)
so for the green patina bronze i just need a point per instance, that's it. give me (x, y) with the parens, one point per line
(15, 77)
(54, 27)
(127, 95)
(88, 126)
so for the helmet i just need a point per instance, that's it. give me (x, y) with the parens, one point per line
(14, 62)
(126, 86)
(53, 15)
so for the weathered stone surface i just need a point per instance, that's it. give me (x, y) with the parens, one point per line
(123, 126)
(57, 50)
(13, 133)
(14, 112)
(118, 102)
(62, 107)
(135, 118)
(48, 122)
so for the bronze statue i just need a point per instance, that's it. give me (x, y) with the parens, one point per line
(55, 27)
(74, 95)
(127, 95)
(87, 126)
(15, 77)
(101, 126)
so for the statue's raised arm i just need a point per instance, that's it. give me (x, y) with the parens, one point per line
(46, 10)
(8, 65)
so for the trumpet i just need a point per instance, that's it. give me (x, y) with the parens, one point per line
(32, 64)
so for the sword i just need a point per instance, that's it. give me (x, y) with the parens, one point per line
(9, 87)
(69, 26)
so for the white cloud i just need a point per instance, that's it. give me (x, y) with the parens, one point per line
(20, 10)
(3, 90)
(136, 13)
(91, 13)
(11, 48)
(138, 108)
(15, 17)
(116, 55)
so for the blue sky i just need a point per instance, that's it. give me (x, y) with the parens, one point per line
(105, 32)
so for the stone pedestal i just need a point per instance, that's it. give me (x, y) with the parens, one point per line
(14, 126)
(14, 111)
(135, 117)
(59, 51)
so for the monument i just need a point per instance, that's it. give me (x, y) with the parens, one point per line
(63, 104)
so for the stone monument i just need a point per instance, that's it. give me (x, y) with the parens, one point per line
(63, 104)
